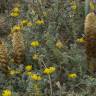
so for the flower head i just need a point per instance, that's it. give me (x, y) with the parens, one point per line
(35, 43)
(16, 9)
(35, 56)
(28, 67)
(72, 75)
(6, 93)
(59, 44)
(28, 73)
(18, 71)
(15, 12)
(92, 5)
(24, 22)
(16, 28)
(24, 77)
(74, 7)
(36, 77)
(14, 72)
(29, 24)
(49, 70)
(80, 40)
(39, 22)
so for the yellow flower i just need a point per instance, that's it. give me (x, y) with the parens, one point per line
(49, 70)
(36, 77)
(74, 7)
(35, 43)
(35, 56)
(72, 75)
(24, 22)
(18, 71)
(39, 22)
(12, 72)
(28, 68)
(14, 14)
(80, 40)
(16, 28)
(6, 93)
(29, 24)
(29, 73)
(59, 44)
(92, 5)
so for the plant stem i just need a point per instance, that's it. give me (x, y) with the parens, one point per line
(87, 6)
(51, 89)
(50, 80)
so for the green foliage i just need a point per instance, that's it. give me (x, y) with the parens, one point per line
(61, 27)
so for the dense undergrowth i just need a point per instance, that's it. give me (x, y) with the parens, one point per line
(45, 49)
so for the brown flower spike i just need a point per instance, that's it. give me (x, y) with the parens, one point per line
(90, 33)
(3, 57)
(18, 47)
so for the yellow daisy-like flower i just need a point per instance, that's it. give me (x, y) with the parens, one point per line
(36, 77)
(49, 70)
(16, 28)
(29, 73)
(80, 40)
(12, 72)
(24, 22)
(39, 22)
(72, 75)
(59, 44)
(92, 7)
(18, 72)
(74, 7)
(35, 43)
(6, 93)
(29, 24)
(35, 56)
(28, 67)
(14, 14)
